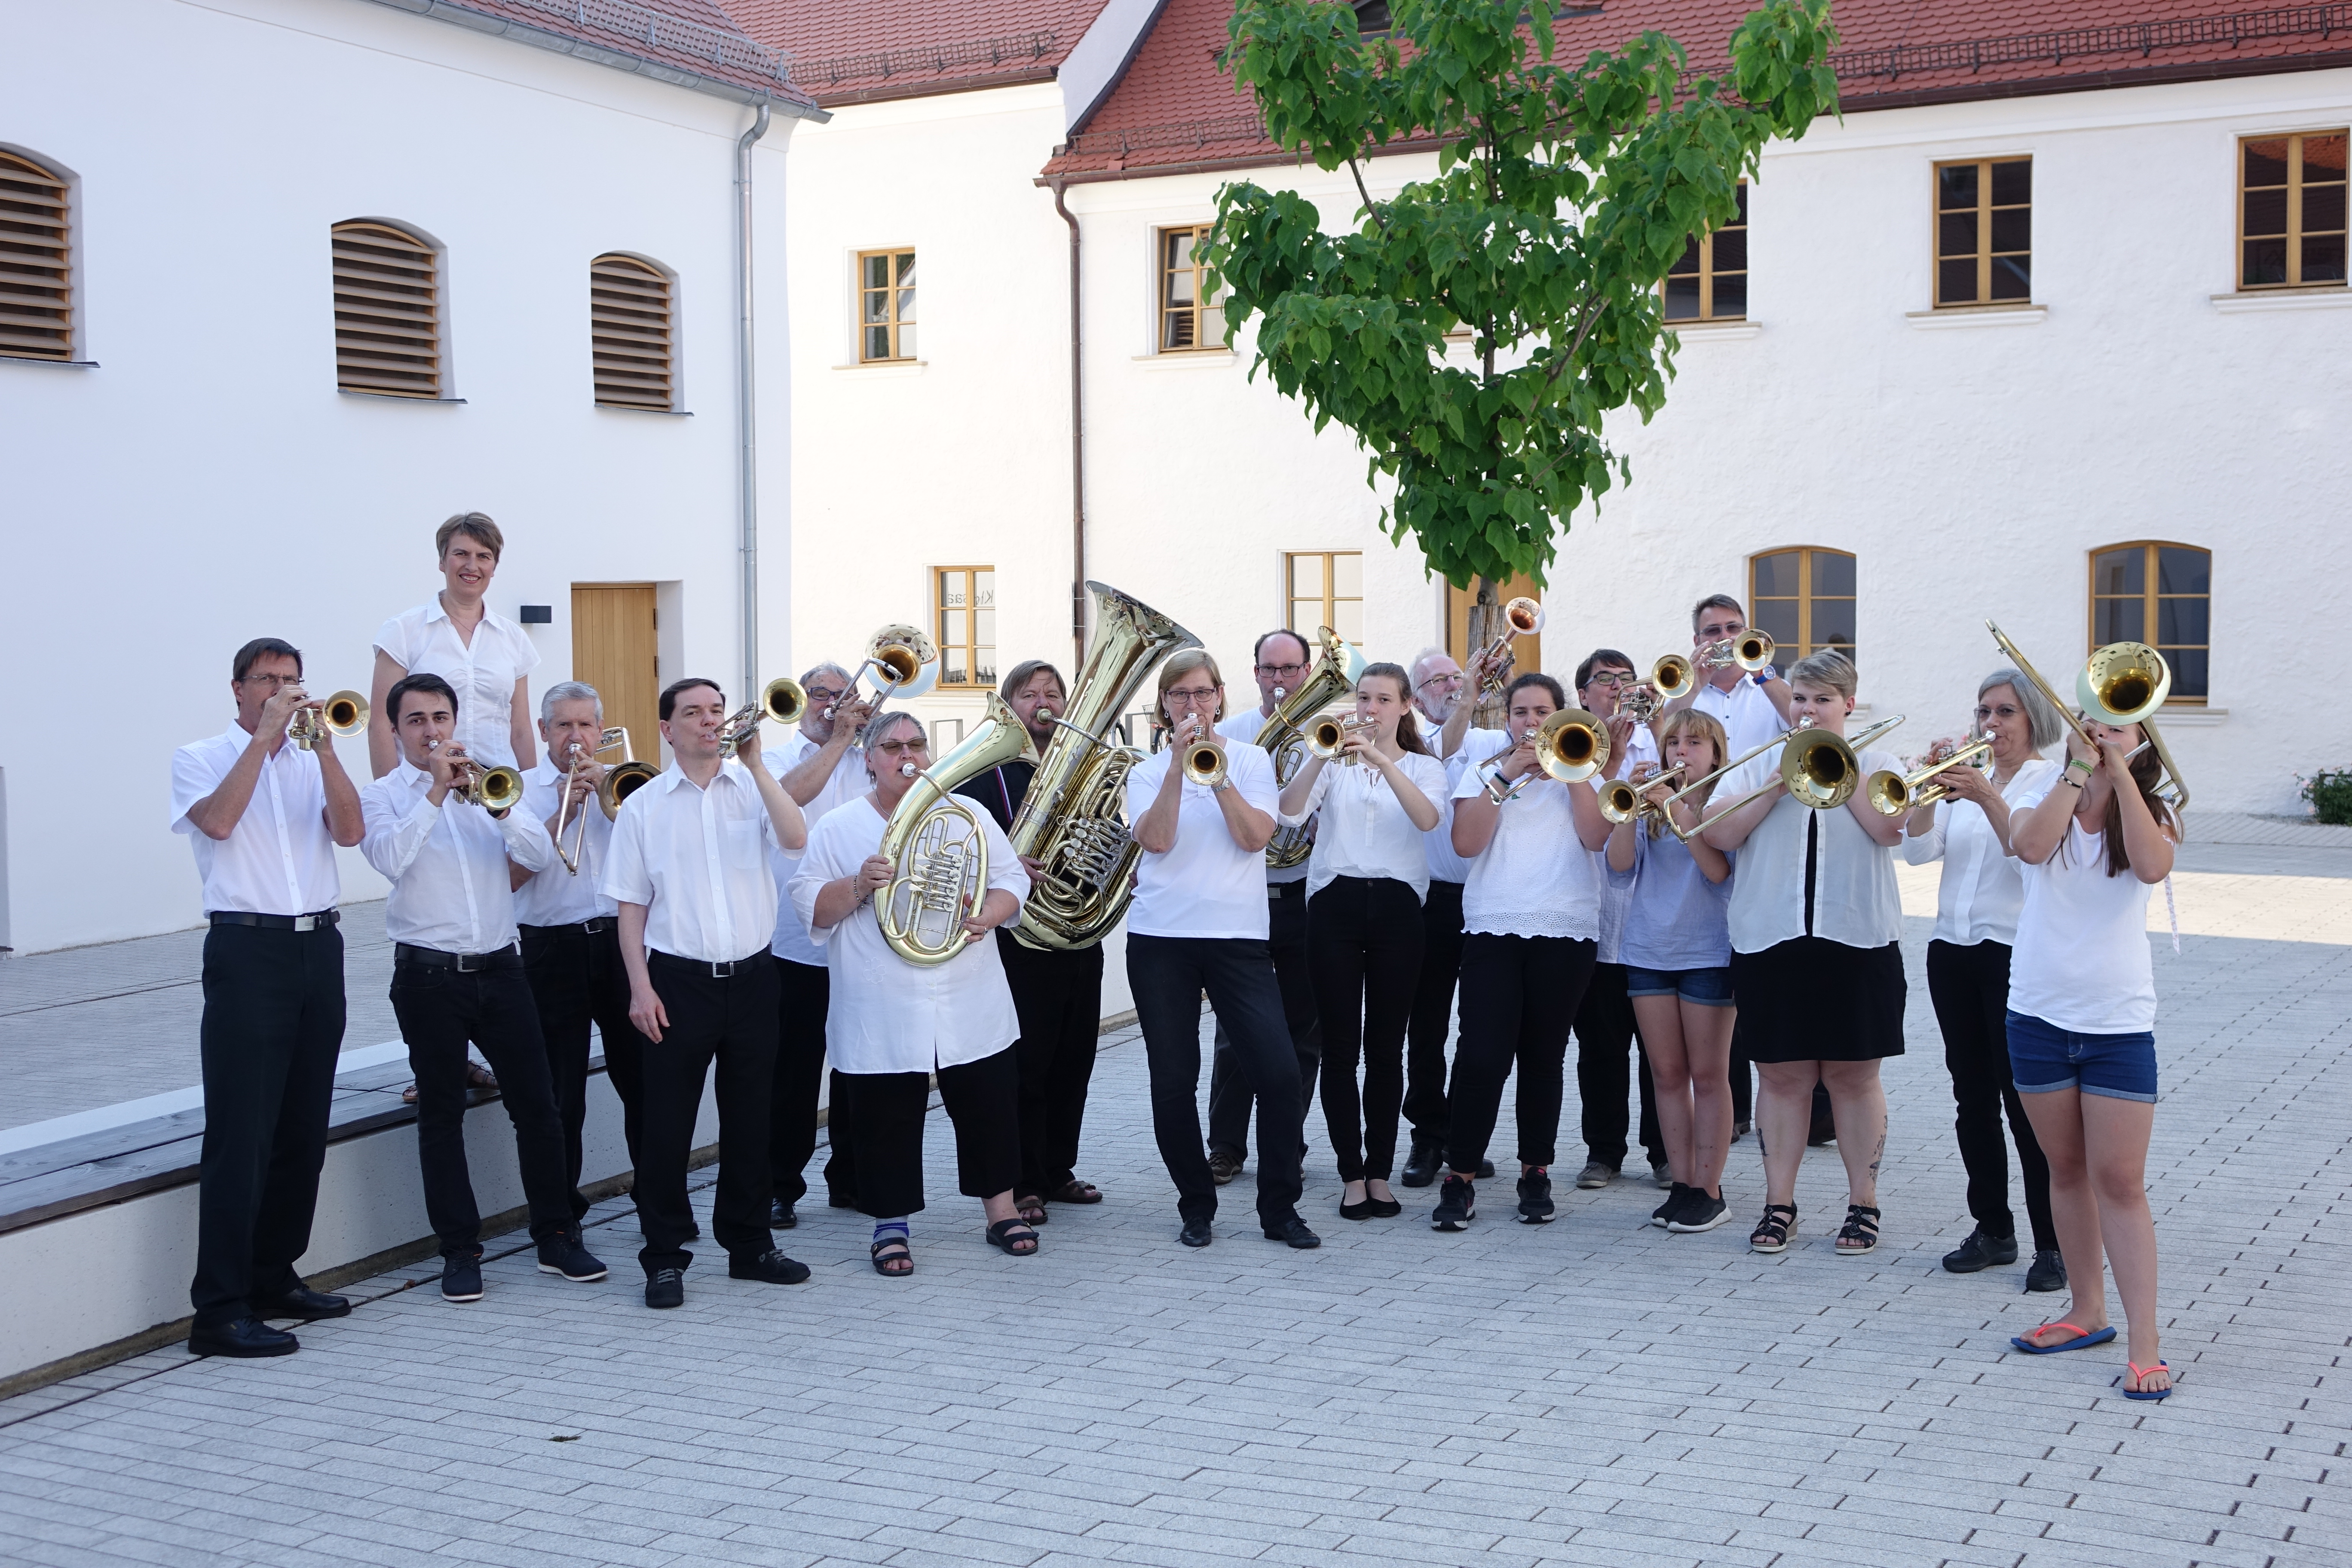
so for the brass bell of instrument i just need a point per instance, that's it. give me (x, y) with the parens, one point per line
(1204, 763)
(1672, 675)
(496, 789)
(784, 700)
(344, 714)
(2122, 683)
(623, 780)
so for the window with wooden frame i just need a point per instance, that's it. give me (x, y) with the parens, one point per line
(629, 327)
(1325, 588)
(963, 623)
(36, 261)
(2291, 222)
(1803, 599)
(886, 306)
(1190, 316)
(1710, 282)
(2159, 594)
(387, 311)
(1984, 232)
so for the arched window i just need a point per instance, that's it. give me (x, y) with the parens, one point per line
(2161, 593)
(36, 261)
(629, 327)
(1804, 599)
(387, 311)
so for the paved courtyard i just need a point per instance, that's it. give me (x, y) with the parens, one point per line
(1592, 1391)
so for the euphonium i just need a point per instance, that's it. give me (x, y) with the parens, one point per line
(1073, 821)
(939, 845)
(344, 714)
(1336, 671)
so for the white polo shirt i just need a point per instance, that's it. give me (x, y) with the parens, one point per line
(483, 672)
(698, 858)
(1205, 884)
(279, 859)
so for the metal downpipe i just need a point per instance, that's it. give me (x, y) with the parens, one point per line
(747, 480)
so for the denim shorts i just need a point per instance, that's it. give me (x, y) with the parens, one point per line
(1708, 987)
(2042, 1058)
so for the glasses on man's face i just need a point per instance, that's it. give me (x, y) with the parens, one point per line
(1612, 678)
(822, 696)
(1192, 696)
(272, 681)
(1451, 677)
(1283, 671)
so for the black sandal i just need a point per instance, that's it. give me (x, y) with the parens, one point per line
(1772, 1232)
(1009, 1234)
(1033, 1209)
(882, 1264)
(1861, 1226)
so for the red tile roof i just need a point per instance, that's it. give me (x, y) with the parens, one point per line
(856, 51)
(1175, 109)
(694, 42)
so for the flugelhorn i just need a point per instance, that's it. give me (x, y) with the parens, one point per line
(1751, 650)
(1892, 793)
(2122, 683)
(344, 714)
(1522, 617)
(1570, 745)
(1327, 737)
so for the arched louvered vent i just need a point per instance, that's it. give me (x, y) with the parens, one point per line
(629, 325)
(387, 311)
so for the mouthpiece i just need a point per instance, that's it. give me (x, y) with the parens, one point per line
(908, 770)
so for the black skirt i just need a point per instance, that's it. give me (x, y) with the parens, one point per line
(1812, 999)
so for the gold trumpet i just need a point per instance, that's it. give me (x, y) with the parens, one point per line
(1570, 745)
(495, 790)
(344, 714)
(1818, 769)
(1751, 650)
(782, 700)
(1327, 737)
(2122, 683)
(1623, 800)
(1522, 617)
(1891, 793)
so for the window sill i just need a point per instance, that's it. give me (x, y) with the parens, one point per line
(2327, 297)
(1978, 316)
(1186, 359)
(657, 412)
(2185, 717)
(61, 364)
(883, 369)
(394, 396)
(1715, 332)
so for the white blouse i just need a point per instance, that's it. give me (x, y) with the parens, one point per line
(2082, 960)
(1536, 878)
(888, 1015)
(1856, 901)
(1205, 884)
(1983, 886)
(1365, 831)
(483, 673)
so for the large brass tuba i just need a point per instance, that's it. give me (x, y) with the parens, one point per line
(1335, 674)
(940, 848)
(1074, 820)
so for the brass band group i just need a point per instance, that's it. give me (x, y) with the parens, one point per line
(1690, 868)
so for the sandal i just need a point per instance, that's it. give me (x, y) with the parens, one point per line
(2141, 1373)
(1009, 1235)
(1033, 1210)
(1074, 1191)
(1772, 1232)
(1861, 1229)
(892, 1265)
(2083, 1338)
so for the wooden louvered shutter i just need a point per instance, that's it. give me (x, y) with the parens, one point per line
(387, 311)
(629, 329)
(36, 269)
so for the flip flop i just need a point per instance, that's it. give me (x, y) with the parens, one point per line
(2082, 1341)
(2139, 1371)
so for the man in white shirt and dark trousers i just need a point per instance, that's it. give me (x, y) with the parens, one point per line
(264, 818)
(696, 890)
(457, 976)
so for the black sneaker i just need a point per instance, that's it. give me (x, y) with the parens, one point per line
(1457, 1201)
(1676, 1196)
(2048, 1273)
(562, 1253)
(1421, 1164)
(665, 1288)
(770, 1268)
(1981, 1251)
(1535, 1197)
(461, 1278)
(1699, 1212)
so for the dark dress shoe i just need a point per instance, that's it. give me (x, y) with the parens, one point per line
(244, 1337)
(665, 1288)
(303, 1302)
(1486, 1170)
(1981, 1251)
(1195, 1233)
(1294, 1232)
(1421, 1164)
(2048, 1273)
(770, 1267)
(781, 1216)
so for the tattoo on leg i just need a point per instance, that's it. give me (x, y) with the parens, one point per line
(1878, 1154)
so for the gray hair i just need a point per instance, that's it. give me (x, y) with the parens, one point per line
(880, 729)
(1828, 667)
(2043, 728)
(827, 667)
(1423, 657)
(568, 691)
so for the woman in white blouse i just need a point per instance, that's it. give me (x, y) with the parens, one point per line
(1967, 968)
(1364, 886)
(1816, 963)
(1531, 920)
(893, 1024)
(2081, 1026)
(486, 657)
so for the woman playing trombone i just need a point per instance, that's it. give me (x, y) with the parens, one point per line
(1816, 962)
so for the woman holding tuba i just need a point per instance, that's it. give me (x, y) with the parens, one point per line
(892, 1022)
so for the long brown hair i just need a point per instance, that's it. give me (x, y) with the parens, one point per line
(1408, 730)
(2147, 773)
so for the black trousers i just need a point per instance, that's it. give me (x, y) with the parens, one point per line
(803, 997)
(1229, 1086)
(1432, 1011)
(1970, 988)
(883, 1124)
(273, 1026)
(577, 980)
(1057, 992)
(1363, 943)
(440, 1010)
(1167, 976)
(1518, 995)
(730, 1021)
(1605, 1027)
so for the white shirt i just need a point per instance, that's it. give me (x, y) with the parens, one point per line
(1641, 746)
(1748, 716)
(279, 859)
(1365, 831)
(447, 863)
(888, 1015)
(2082, 960)
(1982, 885)
(1437, 844)
(1205, 884)
(1856, 901)
(483, 673)
(555, 896)
(1536, 878)
(1242, 731)
(698, 858)
(847, 782)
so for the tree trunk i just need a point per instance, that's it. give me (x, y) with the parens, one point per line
(1485, 626)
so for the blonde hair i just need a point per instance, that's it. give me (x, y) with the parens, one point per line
(1708, 728)
(1828, 667)
(1183, 664)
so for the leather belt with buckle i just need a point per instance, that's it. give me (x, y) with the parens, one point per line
(321, 921)
(596, 927)
(728, 970)
(463, 962)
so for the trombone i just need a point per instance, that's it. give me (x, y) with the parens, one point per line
(1891, 793)
(1522, 617)
(1570, 745)
(1818, 769)
(620, 781)
(344, 714)
(2122, 683)
(899, 655)
(782, 700)
(1327, 737)
(1624, 801)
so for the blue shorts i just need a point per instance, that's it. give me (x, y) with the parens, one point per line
(2043, 1057)
(1708, 987)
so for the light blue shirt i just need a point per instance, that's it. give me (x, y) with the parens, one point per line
(1675, 918)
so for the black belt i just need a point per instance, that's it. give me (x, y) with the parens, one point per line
(596, 927)
(727, 971)
(463, 962)
(1283, 890)
(275, 922)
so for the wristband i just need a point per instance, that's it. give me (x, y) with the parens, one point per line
(2073, 763)
(2069, 780)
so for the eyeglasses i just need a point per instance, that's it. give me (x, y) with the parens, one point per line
(1282, 669)
(1193, 696)
(899, 748)
(1611, 679)
(819, 695)
(1453, 677)
(272, 681)
(2003, 711)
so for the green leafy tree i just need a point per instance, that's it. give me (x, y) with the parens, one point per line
(1563, 194)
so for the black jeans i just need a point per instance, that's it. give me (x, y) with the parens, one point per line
(730, 1020)
(1057, 992)
(273, 1026)
(1970, 988)
(1167, 976)
(1518, 995)
(1432, 1011)
(1363, 943)
(440, 1009)
(803, 997)
(1605, 1027)
(577, 979)
(883, 1124)
(1229, 1086)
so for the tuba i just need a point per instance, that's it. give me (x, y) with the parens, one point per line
(1335, 673)
(939, 847)
(1073, 821)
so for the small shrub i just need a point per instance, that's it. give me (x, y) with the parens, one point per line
(2330, 793)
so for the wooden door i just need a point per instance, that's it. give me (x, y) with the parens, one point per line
(614, 650)
(1527, 650)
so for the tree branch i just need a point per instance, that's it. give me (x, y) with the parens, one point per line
(1369, 207)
